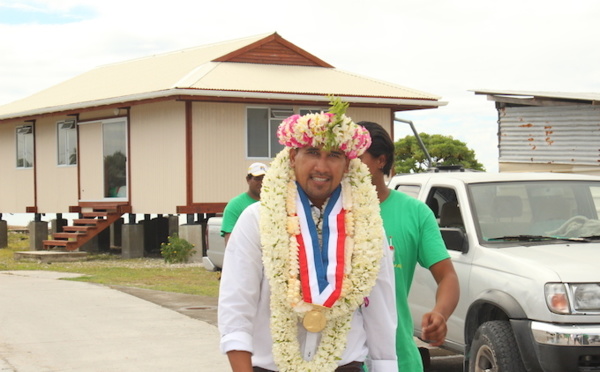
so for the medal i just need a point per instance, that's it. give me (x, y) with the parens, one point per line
(314, 321)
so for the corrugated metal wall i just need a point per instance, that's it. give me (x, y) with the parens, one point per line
(550, 135)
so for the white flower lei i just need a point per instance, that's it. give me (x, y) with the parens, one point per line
(363, 252)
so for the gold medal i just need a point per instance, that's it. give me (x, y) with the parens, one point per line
(314, 321)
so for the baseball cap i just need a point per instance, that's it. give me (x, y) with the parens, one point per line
(257, 169)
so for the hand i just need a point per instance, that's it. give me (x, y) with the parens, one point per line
(433, 328)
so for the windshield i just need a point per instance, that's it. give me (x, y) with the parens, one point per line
(536, 211)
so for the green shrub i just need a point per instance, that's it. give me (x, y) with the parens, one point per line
(177, 250)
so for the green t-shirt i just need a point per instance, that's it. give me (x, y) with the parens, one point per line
(413, 231)
(232, 211)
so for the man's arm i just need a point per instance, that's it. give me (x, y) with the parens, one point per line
(433, 324)
(239, 292)
(381, 318)
(226, 237)
(240, 361)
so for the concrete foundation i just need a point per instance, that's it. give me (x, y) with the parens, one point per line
(38, 232)
(156, 231)
(193, 234)
(50, 256)
(91, 246)
(116, 230)
(173, 225)
(104, 240)
(3, 234)
(57, 225)
(132, 241)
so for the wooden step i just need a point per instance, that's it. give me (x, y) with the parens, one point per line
(87, 221)
(116, 207)
(83, 229)
(68, 245)
(66, 235)
(78, 228)
(95, 214)
(56, 243)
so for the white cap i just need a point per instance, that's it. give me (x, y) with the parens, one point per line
(257, 169)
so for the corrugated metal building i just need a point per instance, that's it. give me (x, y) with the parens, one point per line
(547, 131)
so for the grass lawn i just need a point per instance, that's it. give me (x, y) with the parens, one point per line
(109, 269)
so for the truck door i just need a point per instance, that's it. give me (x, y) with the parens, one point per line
(446, 204)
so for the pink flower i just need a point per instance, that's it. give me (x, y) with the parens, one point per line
(319, 129)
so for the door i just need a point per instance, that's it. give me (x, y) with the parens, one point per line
(103, 160)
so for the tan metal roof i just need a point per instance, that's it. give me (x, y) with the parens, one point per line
(581, 96)
(193, 72)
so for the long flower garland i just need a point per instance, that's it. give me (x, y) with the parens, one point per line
(278, 229)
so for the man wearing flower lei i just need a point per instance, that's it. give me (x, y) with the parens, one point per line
(308, 281)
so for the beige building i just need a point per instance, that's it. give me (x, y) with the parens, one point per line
(172, 133)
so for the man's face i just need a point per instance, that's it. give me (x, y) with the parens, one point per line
(318, 172)
(254, 186)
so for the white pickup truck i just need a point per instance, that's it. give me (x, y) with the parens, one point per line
(526, 248)
(215, 245)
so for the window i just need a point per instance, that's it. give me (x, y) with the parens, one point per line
(262, 124)
(25, 146)
(114, 134)
(445, 206)
(411, 190)
(67, 142)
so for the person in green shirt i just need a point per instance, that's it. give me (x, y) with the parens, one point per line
(415, 237)
(236, 206)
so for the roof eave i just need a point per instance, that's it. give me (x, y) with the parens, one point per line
(384, 101)
(537, 98)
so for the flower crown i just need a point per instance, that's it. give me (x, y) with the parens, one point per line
(332, 130)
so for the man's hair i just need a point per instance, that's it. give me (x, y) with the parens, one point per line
(381, 144)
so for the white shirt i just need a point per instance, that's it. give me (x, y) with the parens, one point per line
(244, 306)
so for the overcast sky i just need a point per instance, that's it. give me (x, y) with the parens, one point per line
(442, 47)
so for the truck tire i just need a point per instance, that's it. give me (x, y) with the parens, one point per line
(494, 349)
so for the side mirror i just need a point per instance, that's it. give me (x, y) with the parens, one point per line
(455, 239)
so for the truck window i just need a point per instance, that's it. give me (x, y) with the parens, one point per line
(595, 191)
(444, 204)
(411, 190)
(545, 208)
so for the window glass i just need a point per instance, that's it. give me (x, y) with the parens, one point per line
(258, 133)
(546, 208)
(276, 147)
(67, 143)
(411, 190)
(305, 111)
(115, 159)
(447, 206)
(595, 190)
(277, 116)
(262, 124)
(25, 146)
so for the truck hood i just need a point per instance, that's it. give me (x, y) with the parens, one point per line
(572, 262)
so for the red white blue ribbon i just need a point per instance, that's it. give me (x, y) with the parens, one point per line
(321, 265)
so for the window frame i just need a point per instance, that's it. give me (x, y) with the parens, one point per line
(21, 131)
(293, 110)
(61, 126)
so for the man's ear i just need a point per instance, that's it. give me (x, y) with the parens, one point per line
(381, 160)
(292, 157)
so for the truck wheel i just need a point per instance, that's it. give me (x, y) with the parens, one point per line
(494, 349)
